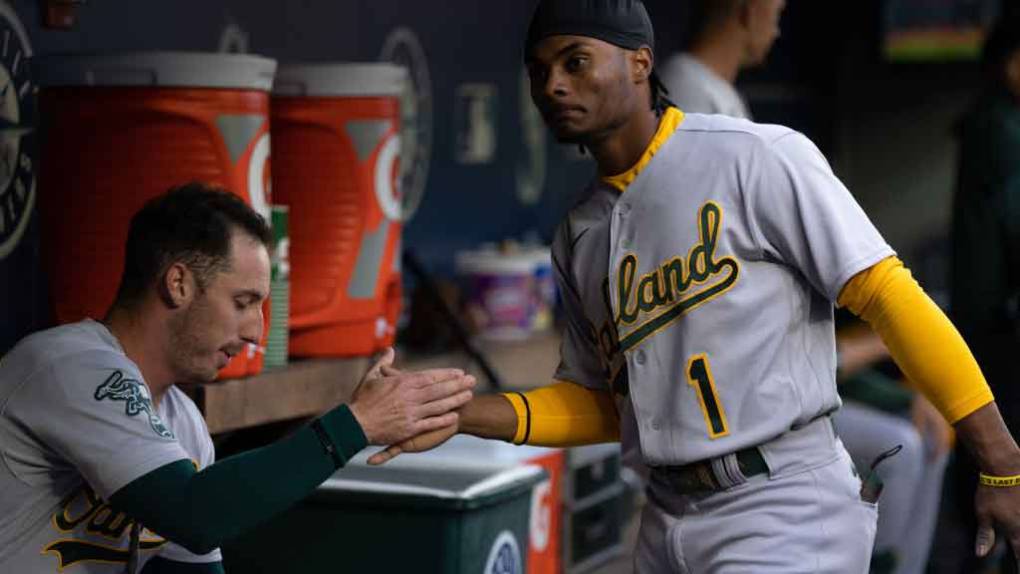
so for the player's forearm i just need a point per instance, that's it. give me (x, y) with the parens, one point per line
(934, 356)
(558, 415)
(989, 441)
(564, 414)
(922, 341)
(201, 510)
(489, 416)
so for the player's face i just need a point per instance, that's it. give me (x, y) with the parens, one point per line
(581, 86)
(220, 321)
(763, 28)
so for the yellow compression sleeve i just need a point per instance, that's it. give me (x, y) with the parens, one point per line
(564, 414)
(920, 338)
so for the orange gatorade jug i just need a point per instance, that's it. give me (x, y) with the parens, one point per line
(336, 139)
(120, 129)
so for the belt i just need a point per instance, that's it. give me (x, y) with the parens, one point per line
(713, 475)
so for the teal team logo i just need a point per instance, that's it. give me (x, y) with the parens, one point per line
(504, 556)
(136, 400)
(17, 116)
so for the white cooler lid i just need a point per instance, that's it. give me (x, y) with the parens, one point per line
(494, 263)
(341, 79)
(156, 69)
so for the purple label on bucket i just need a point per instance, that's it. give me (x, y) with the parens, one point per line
(505, 301)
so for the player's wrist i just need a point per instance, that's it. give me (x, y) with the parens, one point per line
(989, 441)
(487, 416)
(1001, 465)
(998, 457)
(363, 421)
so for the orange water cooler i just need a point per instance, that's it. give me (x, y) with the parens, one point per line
(336, 149)
(120, 129)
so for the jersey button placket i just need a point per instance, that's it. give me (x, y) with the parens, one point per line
(626, 232)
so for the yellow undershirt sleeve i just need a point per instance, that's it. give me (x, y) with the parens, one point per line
(926, 346)
(565, 414)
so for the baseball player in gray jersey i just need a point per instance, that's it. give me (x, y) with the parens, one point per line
(726, 37)
(99, 448)
(729, 36)
(57, 519)
(698, 279)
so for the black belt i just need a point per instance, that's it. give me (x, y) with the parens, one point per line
(700, 476)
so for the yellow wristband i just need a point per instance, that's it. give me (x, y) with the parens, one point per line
(999, 481)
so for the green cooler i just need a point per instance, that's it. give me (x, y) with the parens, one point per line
(411, 515)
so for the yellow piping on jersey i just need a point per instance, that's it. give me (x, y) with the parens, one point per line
(671, 120)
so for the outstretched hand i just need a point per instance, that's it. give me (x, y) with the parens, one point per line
(421, 443)
(425, 441)
(996, 454)
(392, 406)
(997, 507)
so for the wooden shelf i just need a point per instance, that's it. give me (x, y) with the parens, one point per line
(302, 389)
(523, 364)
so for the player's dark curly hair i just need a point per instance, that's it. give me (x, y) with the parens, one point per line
(659, 94)
(191, 224)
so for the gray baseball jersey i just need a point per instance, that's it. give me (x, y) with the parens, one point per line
(704, 292)
(694, 86)
(76, 425)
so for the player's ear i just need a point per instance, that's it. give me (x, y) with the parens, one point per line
(177, 286)
(641, 63)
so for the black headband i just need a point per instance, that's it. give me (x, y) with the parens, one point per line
(623, 23)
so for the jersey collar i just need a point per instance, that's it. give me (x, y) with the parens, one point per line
(671, 119)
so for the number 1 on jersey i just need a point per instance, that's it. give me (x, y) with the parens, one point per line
(699, 376)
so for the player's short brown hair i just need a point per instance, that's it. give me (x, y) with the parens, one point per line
(707, 14)
(191, 223)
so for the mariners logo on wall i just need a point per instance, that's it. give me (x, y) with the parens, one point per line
(531, 166)
(402, 47)
(17, 118)
(504, 556)
(233, 38)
